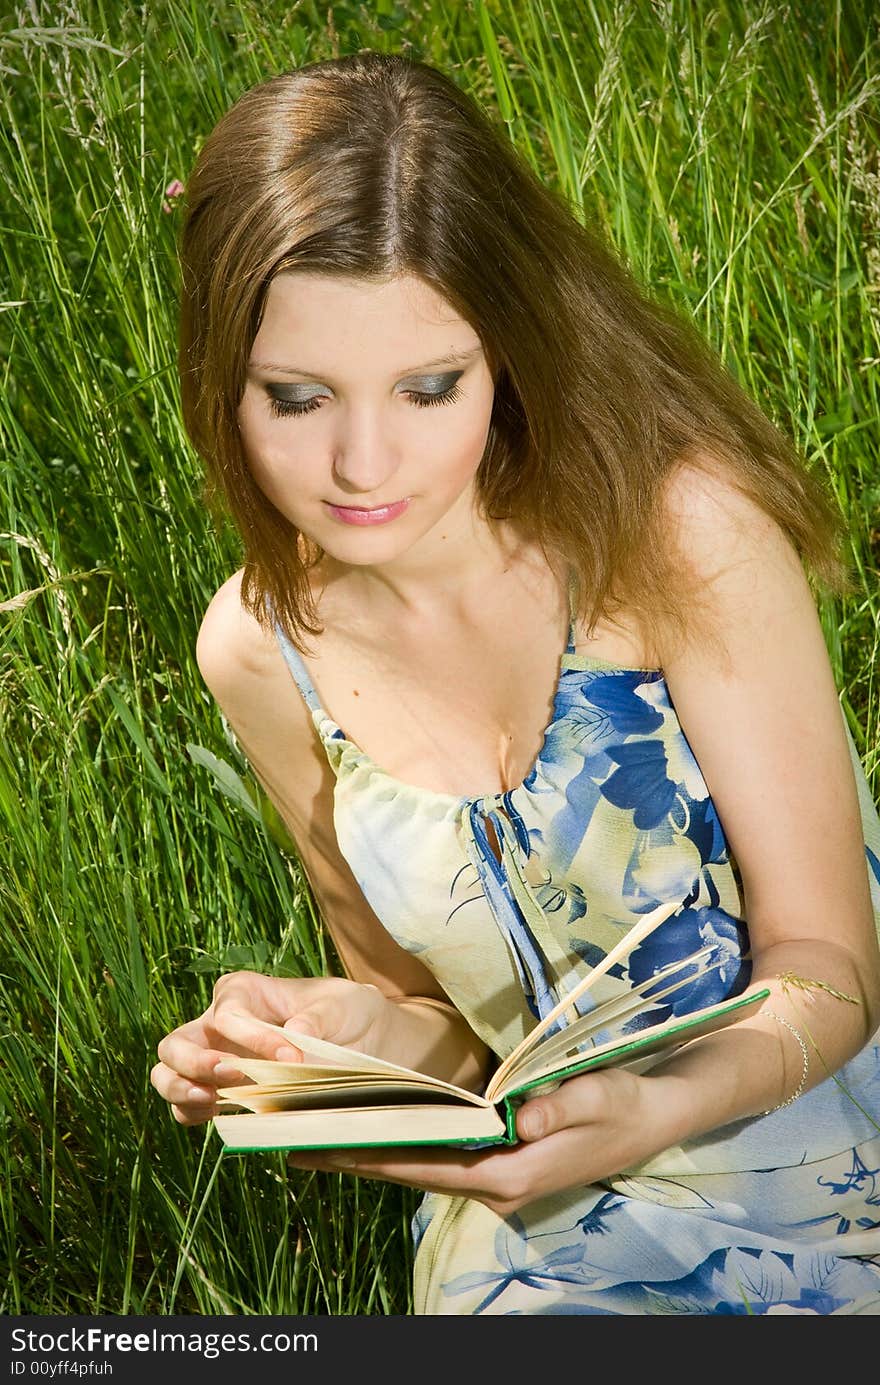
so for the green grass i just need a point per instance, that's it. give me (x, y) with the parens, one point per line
(732, 155)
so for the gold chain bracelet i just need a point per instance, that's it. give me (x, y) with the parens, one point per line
(771, 1014)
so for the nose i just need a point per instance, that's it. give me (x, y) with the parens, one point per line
(365, 454)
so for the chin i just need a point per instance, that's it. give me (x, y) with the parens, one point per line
(361, 545)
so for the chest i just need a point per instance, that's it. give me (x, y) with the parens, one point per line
(460, 716)
(458, 706)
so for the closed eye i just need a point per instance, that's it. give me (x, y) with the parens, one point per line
(285, 408)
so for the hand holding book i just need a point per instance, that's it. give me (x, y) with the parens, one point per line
(245, 1019)
(341, 1098)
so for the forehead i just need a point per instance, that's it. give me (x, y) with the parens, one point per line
(315, 311)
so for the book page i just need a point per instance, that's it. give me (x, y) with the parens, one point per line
(678, 1030)
(343, 1061)
(627, 944)
(618, 1009)
(338, 1095)
(360, 1126)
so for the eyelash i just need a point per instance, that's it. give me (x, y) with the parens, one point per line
(285, 408)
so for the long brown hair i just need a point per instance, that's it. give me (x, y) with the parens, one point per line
(373, 165)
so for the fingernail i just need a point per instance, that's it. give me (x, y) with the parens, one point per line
(532, 1125)
(287, 1054)
(224, 1072)
(200, 1094)
(341, 1161)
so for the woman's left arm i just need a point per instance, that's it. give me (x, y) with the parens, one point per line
(765, 725)
(764, 722)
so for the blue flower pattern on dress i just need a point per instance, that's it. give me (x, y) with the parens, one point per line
(736, 1279)
(684, 934)
(641, 783)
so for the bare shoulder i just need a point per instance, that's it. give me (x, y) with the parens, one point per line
(716, 525)
(739, 563)
(245, 673)
(230, 641)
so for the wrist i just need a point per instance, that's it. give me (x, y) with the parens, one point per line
(737, 1073)
(805, 1060)
(667, 1110)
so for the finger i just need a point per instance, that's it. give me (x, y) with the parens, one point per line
(198, 1064)
(193, 1115)
(180, 1090)
(329, 1017)
(505, 1180)
(577, 1102)
(190, 1105)
(425, 1180)
(250, 1036)
(470, 1173)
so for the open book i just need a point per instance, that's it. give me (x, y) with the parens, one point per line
(342, 1097)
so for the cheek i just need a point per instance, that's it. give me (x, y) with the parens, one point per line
(286, 484)
(456, 452)
(271, 452)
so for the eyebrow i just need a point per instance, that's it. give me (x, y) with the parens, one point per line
(451, 358)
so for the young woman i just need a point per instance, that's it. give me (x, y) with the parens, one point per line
(565, 666)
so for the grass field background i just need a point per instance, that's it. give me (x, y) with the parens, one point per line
(730, 152)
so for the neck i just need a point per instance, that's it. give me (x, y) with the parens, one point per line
(449, 567)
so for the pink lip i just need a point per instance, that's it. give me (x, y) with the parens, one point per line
(381, 514)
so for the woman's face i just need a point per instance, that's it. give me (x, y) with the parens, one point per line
(363, 395)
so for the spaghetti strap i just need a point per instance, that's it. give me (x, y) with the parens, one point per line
(569, 648)
(294, 661)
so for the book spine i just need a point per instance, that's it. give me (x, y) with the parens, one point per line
(510, 1109)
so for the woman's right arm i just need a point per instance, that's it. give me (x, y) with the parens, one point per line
(389, 1004)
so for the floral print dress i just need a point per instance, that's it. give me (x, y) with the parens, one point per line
(774, 1214)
